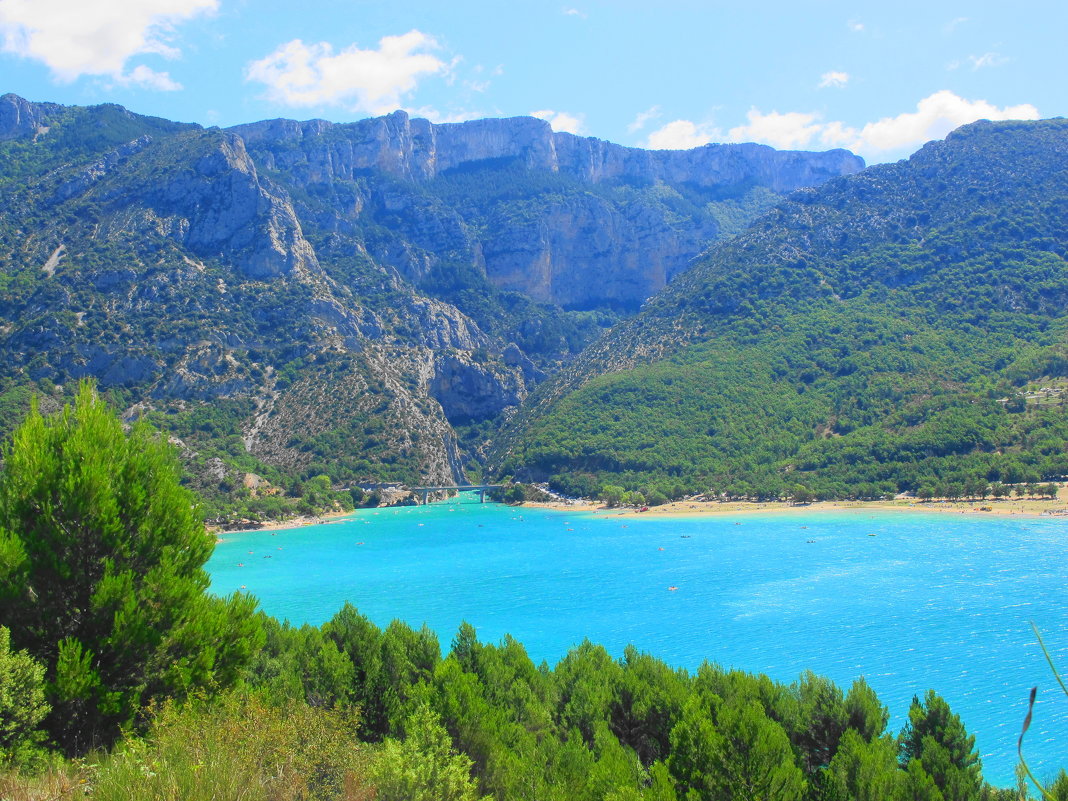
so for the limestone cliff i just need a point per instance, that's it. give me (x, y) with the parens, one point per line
(569, 220)
(420, 150)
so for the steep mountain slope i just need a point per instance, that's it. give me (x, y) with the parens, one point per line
(899, 329)
(292, 299)
(563, 219)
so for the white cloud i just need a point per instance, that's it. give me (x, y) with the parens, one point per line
(574, 12)
(682, 135)
(835, 80)
(372, 81)
(934, 117)
(987, 60)
(438, 117)
(643, 118)
(855, 26)
(97, 38)
(148, 78)
(561, 120)
(951, 26)
(787, 131)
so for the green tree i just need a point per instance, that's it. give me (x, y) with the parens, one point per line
(823, 718)
(611, 495)
(1058, 791)
(656, 498)
(22, 703)
(754, 759)
(423, 766)
(865, 713)
(743, 754)
(934, 737)
(865, 770)
(101, 572)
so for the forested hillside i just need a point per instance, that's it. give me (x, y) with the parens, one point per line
(902, 329)
(360, 302)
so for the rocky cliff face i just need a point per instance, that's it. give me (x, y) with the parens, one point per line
(605, 225)
(21, 119)
(416, 149)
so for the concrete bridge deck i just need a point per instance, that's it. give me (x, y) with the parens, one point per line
(479, 488)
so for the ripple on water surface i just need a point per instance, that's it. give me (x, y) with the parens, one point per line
(929, 601)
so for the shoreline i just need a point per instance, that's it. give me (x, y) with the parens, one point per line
(693, 508)
(1057, 507)
(276, 525)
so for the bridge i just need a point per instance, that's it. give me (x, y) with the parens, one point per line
(479, 488)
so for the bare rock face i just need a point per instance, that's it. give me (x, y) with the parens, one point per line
(21, 119)
(221, 207)
(711, 165)
(584, 250)
(468, 390)
(343, 295)
(419, 150)
(616, 226)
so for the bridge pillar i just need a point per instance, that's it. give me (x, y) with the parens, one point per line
(482, 495)
(426, 494)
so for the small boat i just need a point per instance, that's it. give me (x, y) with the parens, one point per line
(672, 588)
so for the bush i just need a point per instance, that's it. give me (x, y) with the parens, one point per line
(238, 748)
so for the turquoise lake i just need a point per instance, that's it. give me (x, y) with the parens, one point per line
(909, 600)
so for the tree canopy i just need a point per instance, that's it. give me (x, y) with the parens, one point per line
(101, 569)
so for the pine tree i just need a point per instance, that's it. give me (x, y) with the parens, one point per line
(934, 737)
(101, 573)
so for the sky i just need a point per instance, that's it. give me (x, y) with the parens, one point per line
(877, 78)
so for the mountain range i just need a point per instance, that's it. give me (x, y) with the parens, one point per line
(369, 301)
(393, 300)
(897, 330)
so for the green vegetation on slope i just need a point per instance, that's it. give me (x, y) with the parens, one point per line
(114, 642)
(898, 329)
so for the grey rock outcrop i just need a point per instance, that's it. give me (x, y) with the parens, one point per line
(469, 391)
(222, 207)
(21, 119)
(417, 149)
(615, 228)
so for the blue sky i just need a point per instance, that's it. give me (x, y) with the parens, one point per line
(879, 79)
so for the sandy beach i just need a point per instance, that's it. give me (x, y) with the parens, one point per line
(274, 525)
(1029, 507)
(1024, 506)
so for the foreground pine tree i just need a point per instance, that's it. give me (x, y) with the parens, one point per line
(101, 573)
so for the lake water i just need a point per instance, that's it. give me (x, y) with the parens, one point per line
(909, 600)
